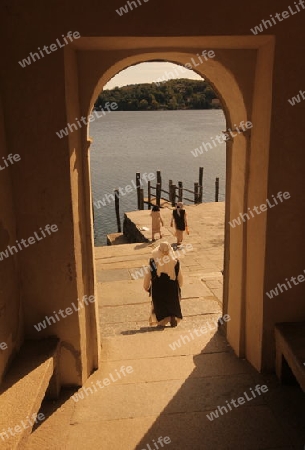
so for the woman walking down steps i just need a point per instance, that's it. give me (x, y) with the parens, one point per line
(164, 282)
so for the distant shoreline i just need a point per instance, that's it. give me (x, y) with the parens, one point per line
(172, 95)
(163, 110)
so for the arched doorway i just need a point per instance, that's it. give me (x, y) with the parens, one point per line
(242, 76)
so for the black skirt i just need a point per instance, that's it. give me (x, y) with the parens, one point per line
(166, 297)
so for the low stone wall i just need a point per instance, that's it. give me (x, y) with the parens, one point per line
(116, 239)
(132, 232)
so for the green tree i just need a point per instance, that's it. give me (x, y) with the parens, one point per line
(143, 104)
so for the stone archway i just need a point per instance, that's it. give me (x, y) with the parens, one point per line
(242, 75)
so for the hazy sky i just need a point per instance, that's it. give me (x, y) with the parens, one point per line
(147, 73)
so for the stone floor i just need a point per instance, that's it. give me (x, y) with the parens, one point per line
(164, 383)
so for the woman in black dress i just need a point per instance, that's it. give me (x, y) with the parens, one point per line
(164, 282)
(180, 220)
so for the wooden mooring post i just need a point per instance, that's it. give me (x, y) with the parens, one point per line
(149, 195)
(196, 193)
(159, 178)
(158, 188)
(200, 184)
(138, 186)
(158, 194)
(174, 187)
(180, 191)
(170, 190)
(216, 189)
(141, 199)
(117, 209)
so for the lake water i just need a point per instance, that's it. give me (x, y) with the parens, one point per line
(128, 142)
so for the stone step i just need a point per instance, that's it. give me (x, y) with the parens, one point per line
(173, 367)
(290, 345)
(145, 399)
(142, 326)
(138, 312)
(30, 374)
(156, 343)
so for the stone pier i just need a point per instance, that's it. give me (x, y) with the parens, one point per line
(119, 269)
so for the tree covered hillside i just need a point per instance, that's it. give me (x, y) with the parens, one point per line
(169, 95)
